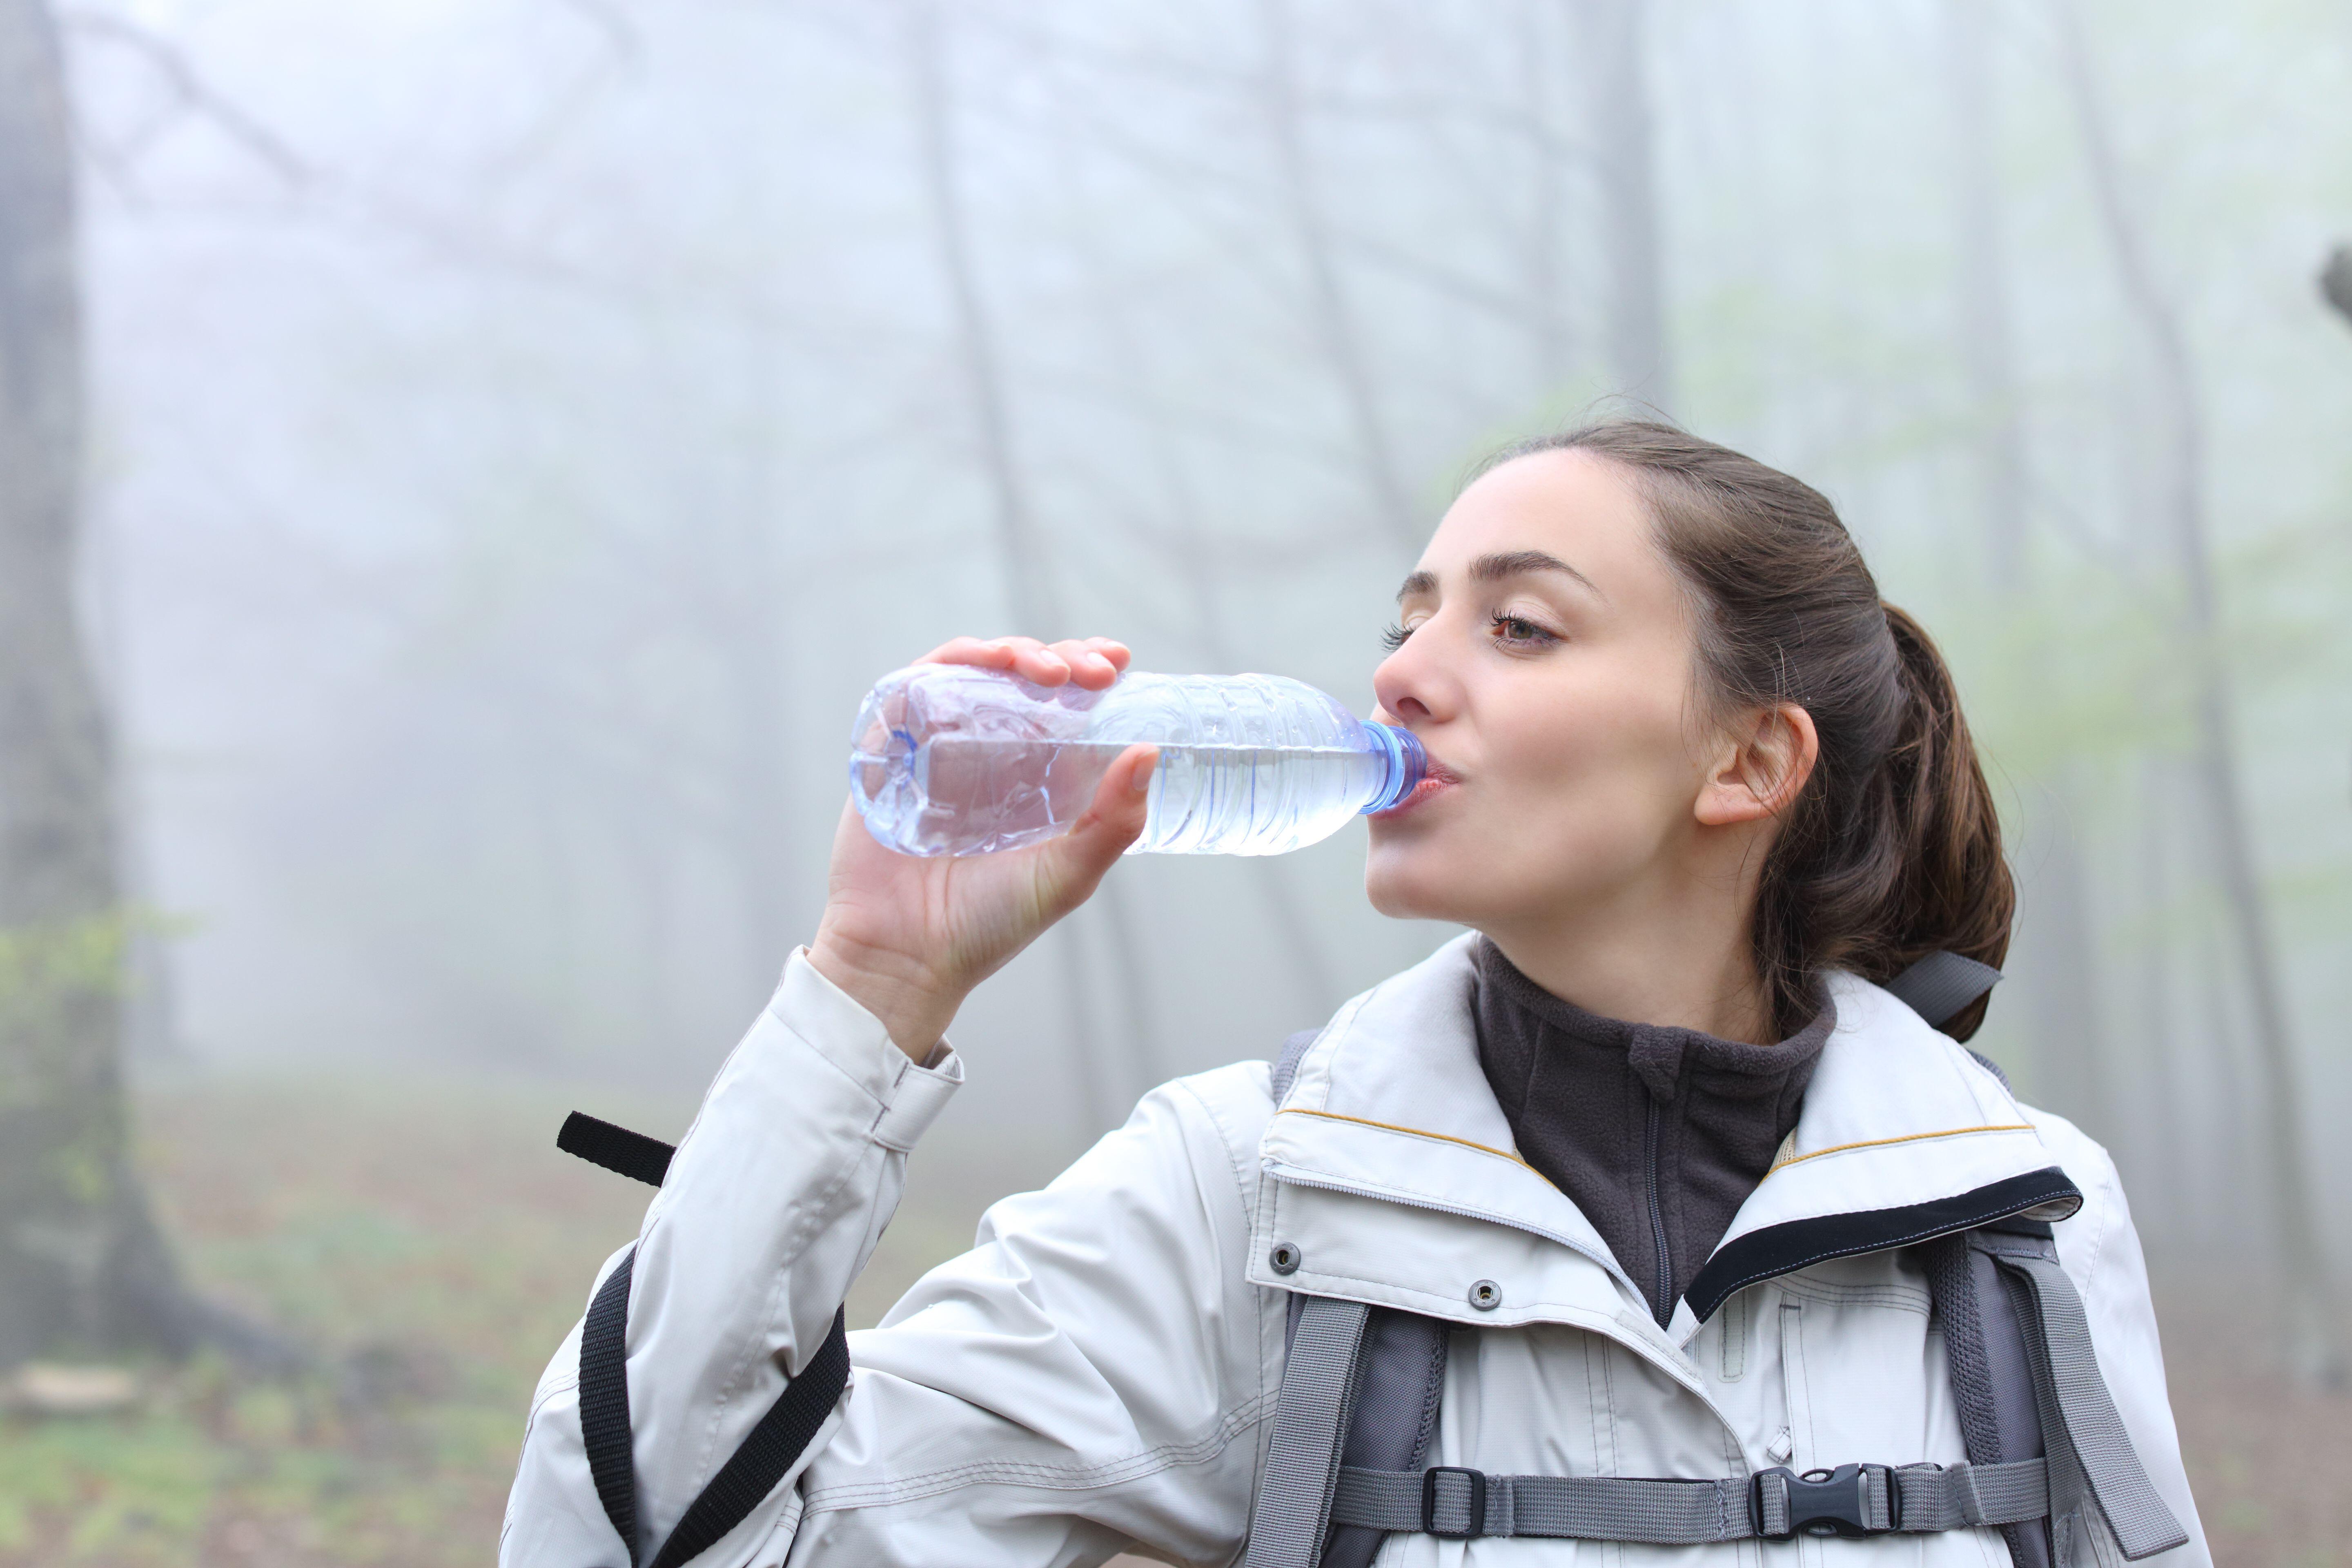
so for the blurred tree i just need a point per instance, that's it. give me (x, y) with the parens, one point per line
(82, 1266)
(2336, 280)
(2059, 977)
(1619, 134)
(1334, 329)
(1029, 582)
(2313, 1348)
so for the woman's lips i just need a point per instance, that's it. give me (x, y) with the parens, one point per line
(1437, 779)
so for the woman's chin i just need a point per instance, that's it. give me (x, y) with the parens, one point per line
(1400, 884)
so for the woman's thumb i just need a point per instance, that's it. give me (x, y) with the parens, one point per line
(1113, 821)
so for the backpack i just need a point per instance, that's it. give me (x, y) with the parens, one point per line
(2048, 1455)
(1362, 1386)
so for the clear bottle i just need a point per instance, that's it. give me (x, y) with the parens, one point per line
(951, 760)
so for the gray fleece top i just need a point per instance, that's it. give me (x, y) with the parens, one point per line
(1657, 1134)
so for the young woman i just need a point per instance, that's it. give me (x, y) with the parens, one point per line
(1650, 1151)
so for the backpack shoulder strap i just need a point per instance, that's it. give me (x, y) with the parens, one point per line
(1319, 1380)
(605, 1431)
(1394, 1421)
(1385, 1418)
(1941, 984)
(1285, 1062)
(2026, 1382)
(2095, 1474)
(1990, 1371)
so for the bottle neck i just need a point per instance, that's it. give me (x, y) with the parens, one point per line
(1406, 763)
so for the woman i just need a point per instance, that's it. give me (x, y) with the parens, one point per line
(1643, 1158)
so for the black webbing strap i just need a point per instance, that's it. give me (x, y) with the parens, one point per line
(746, 1479)
(765, 1455)
(1941, 984)
(618, 1149)
(604, 1402)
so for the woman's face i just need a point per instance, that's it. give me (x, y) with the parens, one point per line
(1548, 666)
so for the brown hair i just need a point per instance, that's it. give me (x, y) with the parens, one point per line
(1893, 849)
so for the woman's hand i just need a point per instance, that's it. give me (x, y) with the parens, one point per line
(908, 936)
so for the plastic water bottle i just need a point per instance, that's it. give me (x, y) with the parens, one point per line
(947, 759)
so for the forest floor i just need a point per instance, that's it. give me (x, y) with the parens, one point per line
(428, 1248)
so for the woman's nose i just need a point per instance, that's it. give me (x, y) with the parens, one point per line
(1407, 691)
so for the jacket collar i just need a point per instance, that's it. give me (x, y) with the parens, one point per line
(1902, 1135)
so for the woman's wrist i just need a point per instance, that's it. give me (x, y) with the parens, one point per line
(914, 1009)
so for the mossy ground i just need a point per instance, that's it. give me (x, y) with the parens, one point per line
(424, 1243)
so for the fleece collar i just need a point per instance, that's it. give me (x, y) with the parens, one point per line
(1903, 1136)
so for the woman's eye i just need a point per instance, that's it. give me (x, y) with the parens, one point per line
(1513, 630)
(1393, 638)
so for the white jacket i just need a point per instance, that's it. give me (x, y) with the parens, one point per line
(1096, 1373)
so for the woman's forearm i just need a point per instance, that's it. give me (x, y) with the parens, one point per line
(772, 1204)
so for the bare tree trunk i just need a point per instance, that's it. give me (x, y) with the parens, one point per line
(1550, 345)
(753, 650)
(1028, 579)
(1984, 322)
(1619, 134)
(82, 1266)
(1336, 330)
(2312, 1329)
(2336, 280)
(2062, 989)
(1191, 554)
(2161, 1134)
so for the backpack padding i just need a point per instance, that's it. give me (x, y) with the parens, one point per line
(1990, 1373)
(1285, 1062)
(1402, 1388)
(758, 1464)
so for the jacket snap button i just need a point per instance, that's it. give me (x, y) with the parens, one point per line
(1486, 1295)
(1285, 1258)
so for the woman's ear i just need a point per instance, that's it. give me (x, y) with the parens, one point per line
(1760, 767)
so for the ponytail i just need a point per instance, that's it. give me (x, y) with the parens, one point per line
(1893, 849)
(1955, 894)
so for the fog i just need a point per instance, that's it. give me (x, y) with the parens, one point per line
(522, 431)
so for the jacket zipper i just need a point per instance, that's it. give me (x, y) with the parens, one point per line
(1666, 1297)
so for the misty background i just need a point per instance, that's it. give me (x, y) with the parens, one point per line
(521, 431)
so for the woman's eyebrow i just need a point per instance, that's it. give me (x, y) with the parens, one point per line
(1493, 568)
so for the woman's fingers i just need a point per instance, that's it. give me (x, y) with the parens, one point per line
(1093, 662)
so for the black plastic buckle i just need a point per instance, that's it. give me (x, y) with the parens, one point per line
(1826, 1502)
(1477, 1479)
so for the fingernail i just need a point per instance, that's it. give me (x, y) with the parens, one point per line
(1141, 778)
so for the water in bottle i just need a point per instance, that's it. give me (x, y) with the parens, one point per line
(948, 758)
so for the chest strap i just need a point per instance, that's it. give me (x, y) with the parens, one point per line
(1772, 1505)
(2090, 1467)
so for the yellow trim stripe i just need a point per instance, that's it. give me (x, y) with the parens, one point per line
(1415, 1132)
(1907, 1138)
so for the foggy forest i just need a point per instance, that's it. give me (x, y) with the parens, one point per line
(461, 465)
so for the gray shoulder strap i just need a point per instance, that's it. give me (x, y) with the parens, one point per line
(1286, 1064)
(1310, 1420)
(2094, 1472)
(1398, 1395)
(1941, 984)
(1992, 1372)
